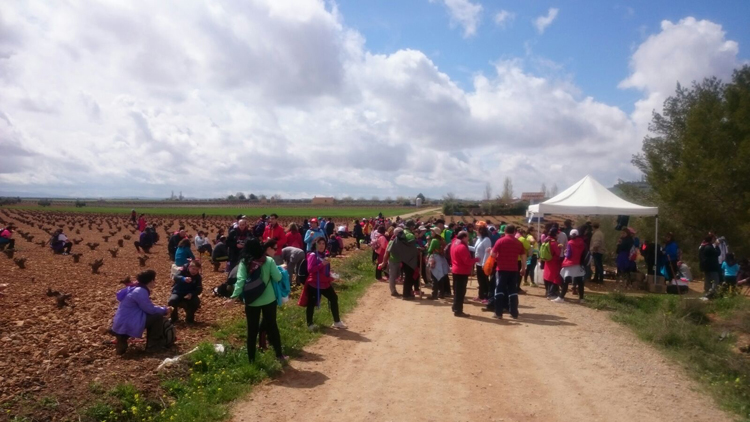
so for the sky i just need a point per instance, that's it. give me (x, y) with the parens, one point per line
(357, 98)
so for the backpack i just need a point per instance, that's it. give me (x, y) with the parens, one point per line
(254, 287)
(545, 253)
(170, 335)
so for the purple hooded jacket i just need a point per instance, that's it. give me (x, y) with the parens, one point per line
(135, 303)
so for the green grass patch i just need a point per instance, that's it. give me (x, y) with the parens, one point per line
(201, 388)
(701, 336)
(187, 210)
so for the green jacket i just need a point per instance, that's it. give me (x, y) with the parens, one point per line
(269, 272)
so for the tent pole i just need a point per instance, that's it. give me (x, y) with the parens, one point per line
(656, 249)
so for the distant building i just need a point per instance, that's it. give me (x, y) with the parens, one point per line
(323, 200)
(532, 197)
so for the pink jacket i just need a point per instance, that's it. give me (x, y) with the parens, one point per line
(318, 270)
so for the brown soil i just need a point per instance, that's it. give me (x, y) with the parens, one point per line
(50, 355)
(416, 361)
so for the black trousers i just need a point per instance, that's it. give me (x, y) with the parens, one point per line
(598, 267)
(205, 248)
(312, 302)
(439, 287)
(577, 282)
(459, 285)
(10, 244)
(252, 314)
(65, 248)
(189, 305)
(507, 291)
(491, 292)
(554, 290)
(409, 281)
(484, 283)
(139, 246)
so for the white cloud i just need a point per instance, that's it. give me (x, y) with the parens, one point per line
(503, 18)
(464, 13)
(542, 22)
(683, 52)
(255, 97)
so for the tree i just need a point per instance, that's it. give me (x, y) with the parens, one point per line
(231, 198)
(375, 199)
(420, 196)
(252, 197)
(544, 190)
(240, 196)
(696, 161)
(487, 191)
(554, 191)
(507, 195)
(449, 203)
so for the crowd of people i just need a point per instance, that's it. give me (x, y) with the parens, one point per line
(260, 261)
(263, 258)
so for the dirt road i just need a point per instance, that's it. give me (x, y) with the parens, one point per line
(415, 361)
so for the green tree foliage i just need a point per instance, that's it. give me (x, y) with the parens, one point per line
(697, 161)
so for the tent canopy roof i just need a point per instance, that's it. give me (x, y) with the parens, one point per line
(589, 197)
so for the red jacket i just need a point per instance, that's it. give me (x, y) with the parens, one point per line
(294, 239)
(275, 232)
(461, 260)
(574, 252)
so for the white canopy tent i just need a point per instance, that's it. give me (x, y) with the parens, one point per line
(589, 197)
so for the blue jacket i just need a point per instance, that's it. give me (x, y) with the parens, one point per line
(311, 235)
(283, 288)
(181, 256)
